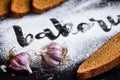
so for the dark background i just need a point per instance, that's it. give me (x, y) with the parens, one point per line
(113, 74)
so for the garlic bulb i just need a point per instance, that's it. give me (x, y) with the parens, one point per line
(52, 54)
(21, 61)
(54, 50)
(48, 61)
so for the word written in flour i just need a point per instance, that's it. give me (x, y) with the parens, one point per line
(63, 30)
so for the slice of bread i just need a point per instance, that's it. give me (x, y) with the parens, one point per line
(40, 6)
(4, 7)
(20, 7)
(104, 59)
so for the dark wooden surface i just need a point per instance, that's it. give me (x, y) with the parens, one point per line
(113, 74)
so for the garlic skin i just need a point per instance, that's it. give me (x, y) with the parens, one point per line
(21, 61)
(52, 54)
(48, 61)
(55, 50)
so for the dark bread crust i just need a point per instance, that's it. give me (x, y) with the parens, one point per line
(41, 10)
(117, 67)
(18, 15)
(110, 58)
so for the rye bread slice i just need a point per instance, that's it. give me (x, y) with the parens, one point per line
(20, 7)
(40, 6)
(4, 7)
(104, 59)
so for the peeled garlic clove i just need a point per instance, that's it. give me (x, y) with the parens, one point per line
(21, 62)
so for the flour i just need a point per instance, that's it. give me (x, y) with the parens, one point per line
(80, 46)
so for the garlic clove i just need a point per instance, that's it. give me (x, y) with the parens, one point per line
(55, 51)
(52, 54)
(21, 62)
(56, 54)
(14, 65)
(28, 69)
(54, 45)
(49, 61)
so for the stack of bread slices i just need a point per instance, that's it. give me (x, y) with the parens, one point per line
(19, 8)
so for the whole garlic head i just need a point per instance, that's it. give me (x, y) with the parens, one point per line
(20, 61)
(52, 54)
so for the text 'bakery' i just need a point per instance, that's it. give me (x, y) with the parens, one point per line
(63, 30)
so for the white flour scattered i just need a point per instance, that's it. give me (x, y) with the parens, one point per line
(80, 46)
